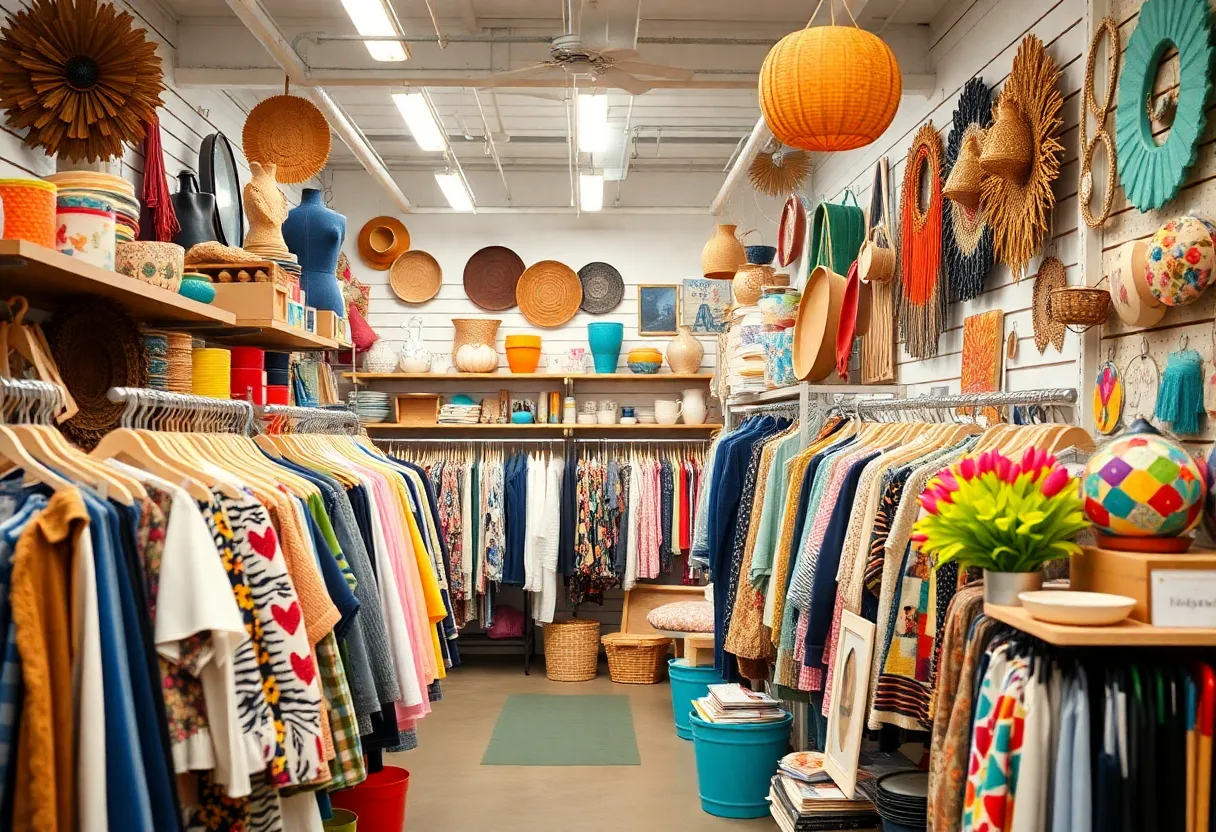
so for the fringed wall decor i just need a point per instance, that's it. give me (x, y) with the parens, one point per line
(981, 363)
(1151, 173)
(969, 256)
(779, 172)
(1085, 187)
(923, 302)
(79, 78)
(878, 345)
(1019, 209)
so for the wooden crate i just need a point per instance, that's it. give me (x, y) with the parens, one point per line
(640, 600)
(270, 272)
(699, 650)
(256, 301)
(417, 409)
(1130, 573)
(330, 325)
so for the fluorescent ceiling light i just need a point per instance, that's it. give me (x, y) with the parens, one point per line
(453, 188)
(416, 111)
(591, 191)
(592, 123)
(372, 20)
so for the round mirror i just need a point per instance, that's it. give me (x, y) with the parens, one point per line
(219, 175)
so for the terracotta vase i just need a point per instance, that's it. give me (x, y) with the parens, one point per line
(723, 254)
(685, 351)
(266, 208)
(749, 283)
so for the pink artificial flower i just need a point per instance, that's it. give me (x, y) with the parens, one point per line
(947, 480)
(1028, 459)
(1055, 482)
(966, 469)
(985, 463)
(920, 538)
(1015, 471)
(942, 493)
(1002, 468)
(929, 502)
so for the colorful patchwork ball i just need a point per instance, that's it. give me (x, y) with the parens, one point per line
(1142, 484)
(1180, 260)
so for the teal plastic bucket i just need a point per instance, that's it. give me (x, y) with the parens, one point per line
(735, 764)
(688, 683)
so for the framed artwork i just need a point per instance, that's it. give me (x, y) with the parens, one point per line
(982, 347)
(658, 309)
(847, 716)
(705, 304)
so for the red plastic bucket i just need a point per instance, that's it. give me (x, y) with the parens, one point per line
(379, 801)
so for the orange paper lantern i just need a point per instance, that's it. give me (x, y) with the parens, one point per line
(829, 88)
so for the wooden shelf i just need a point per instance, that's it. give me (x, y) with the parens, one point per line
(272, 335)
(645, 428)
(43, 276)
(1129, 633)
(558, 377)
(558, 427)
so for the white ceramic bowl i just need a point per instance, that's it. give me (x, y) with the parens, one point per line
(586, 418)
(1082, 609)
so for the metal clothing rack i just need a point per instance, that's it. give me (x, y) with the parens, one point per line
(287, 419)
(26, 401)
(161, 410)
(1047, 397)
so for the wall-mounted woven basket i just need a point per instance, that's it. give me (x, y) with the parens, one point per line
(1079, 306)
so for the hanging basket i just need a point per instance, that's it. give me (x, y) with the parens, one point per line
(636, 659)
(572, 649)
(1079, 306)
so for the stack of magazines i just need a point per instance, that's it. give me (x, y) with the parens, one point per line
(803, 797)
(735, 704)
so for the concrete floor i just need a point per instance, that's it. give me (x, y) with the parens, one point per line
(450, 791)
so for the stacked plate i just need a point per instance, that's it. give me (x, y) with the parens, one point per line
(460, 414)
(903, 801)
(372, 407)
(645, 414)
(112, 189)
(745, 356)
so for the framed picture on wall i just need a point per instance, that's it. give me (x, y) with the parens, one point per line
(705, 304)
(658, 309)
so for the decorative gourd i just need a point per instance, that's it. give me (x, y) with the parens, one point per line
(476, 358)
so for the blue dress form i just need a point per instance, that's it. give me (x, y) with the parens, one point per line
(315, 234)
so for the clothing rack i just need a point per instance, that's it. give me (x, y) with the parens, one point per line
(638, 441)
(160, 410)
(1060, 396)
(308, 419)
(27, 401)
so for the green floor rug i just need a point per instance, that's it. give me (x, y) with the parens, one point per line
(547, 730)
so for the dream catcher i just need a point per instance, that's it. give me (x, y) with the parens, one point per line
(968, 239)
(923, 302)
(1108, 397)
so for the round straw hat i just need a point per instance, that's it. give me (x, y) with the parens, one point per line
(1129, 291)
(603, 288)
(415, 277)
(381, 242)
(549, 293)
(290, 132)
(490, 277)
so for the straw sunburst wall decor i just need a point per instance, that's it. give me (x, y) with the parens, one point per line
(969, 256)
(780, 172)
(923, 305)
(1019, 212)
(79, 77)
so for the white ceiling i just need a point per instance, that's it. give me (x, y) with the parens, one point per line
(668, 129)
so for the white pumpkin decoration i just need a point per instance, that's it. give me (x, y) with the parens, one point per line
(476, 358)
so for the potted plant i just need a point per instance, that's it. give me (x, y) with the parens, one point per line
(1008, 518)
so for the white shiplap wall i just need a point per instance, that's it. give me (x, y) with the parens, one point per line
(970, 38)
(186, 115)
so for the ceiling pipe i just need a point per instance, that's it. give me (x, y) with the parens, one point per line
(485, 123)
(264, 29)
(758, 138)
(321, 37)
(674, 211)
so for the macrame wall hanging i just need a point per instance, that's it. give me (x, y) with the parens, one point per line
(1021, 157)
(968, 242)
(878, 345)
(923, 302)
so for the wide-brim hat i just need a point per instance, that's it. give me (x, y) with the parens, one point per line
(1129, 291)
(815, 327)
(381, 241)
(415, 277)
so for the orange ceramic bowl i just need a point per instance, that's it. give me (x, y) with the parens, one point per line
(523, 359)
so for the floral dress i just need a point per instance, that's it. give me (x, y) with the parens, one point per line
(493, 533)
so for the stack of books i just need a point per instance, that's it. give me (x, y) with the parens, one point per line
(735, 704)
(803, 798)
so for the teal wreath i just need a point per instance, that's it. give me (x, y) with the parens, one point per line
(1151, 175)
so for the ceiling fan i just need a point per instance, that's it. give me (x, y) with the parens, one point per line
(568, 56)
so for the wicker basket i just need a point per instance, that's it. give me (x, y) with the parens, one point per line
(1080, 305)
(572, 650)
(636, 659)
(474, 331)
(723, 254)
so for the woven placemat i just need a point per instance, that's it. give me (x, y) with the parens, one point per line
(603, 288)
(490, 277)
(289, 132)
(549, 293)
(1051, 276)
(415, 277)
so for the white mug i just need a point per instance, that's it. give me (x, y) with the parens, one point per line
(667, 412)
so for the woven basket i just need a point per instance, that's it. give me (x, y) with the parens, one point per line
(723, 254)
(290, 132)
(474, 331)
(572, 649)
(1009, 146)
(29, 210)
(1080, 305)
(963, 183)
(636, 659)
(875, 263)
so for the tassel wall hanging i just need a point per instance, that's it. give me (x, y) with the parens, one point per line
(969, 256)
(158, 219)
(923, 306)
(1180, 397)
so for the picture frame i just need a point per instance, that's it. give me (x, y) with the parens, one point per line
(658, 309)
(847, 716)
(705, 305)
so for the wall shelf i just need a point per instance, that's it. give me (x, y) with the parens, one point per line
(557, 377)
(272, 334)
(43, 276)
(1129, 633)
(632, 429)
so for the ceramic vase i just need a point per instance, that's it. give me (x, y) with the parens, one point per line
(195, 212)
(693, 406)
(1003, 587)
(685, 351)
(605, 341)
